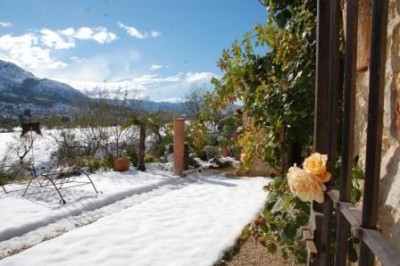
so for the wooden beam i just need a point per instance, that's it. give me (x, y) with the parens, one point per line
(379, 245)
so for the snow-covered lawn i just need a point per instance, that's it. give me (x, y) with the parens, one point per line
(140, 218)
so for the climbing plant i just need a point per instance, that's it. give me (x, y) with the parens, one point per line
(271, 72)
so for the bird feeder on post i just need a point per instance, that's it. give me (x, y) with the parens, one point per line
(179, 146)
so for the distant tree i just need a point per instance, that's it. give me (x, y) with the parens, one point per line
(153, 123)
(100, 121)
(140, 120)
(195, 101)
(119, 112)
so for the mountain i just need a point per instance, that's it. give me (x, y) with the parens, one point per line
(21, 90)
(177, 107)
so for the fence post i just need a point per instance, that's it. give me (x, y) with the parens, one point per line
(375, 123)
(179, 146)
(321, 126)
(350, 69)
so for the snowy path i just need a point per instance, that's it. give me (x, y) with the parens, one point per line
(41, 207)
(29, 231)
(150, 219)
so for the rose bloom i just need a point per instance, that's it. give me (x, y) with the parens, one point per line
(315, 164)
(244, 158)
(304, 185)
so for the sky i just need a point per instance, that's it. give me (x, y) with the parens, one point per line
(154, 49)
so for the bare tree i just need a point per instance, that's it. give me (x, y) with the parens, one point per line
(195, 102)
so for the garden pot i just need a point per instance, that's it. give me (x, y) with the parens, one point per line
(363, 33)
(121, 164)
(224, 151)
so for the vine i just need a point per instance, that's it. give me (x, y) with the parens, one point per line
(271, 71)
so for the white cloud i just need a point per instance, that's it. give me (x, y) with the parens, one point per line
(199, 77)
(156, 67)
(34, 50)
(55, 40)
(68, 32)
(25, 50)
(170, 88)
(98, 34)
(132, 31)
(103, 36)
(5, 24)
(100, 68)
(65, 39)
(7, 42)
(84, 33)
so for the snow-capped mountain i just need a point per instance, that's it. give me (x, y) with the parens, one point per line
(11, 74)
(21, 90)
(16, 82)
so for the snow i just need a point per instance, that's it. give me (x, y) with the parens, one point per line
(11, 74)
(139, 218)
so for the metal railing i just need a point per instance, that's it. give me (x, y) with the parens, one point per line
(360, 223)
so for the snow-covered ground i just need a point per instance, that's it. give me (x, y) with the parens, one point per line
(139, 218)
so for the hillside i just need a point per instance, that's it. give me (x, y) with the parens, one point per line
(21, 90)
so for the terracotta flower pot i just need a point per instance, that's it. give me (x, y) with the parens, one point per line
(224, 151)
(121, 164)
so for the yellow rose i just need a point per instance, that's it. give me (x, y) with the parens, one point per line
(244, 158)
(324, 178)
(315, 164)
(304, 185)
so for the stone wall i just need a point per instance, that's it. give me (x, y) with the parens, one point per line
(389, 204)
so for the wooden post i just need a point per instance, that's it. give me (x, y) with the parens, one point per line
(179, 146)
(321, 126)
(375, 124)
(349, 95)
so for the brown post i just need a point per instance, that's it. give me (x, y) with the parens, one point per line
(321, 126)
(179, 146)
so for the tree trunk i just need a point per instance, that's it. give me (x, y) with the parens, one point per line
(142, 148)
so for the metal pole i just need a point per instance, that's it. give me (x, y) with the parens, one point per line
(375, 123)
(350, 71)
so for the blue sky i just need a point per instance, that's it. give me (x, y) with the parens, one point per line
(155, 49)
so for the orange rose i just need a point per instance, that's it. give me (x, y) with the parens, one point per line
(304, 185)
(315, 164)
